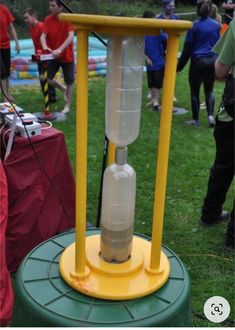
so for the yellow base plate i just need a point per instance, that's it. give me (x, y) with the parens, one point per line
(127, 280)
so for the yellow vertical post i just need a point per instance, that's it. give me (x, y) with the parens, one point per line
(81, 151)
(111, 153)
(163, 150)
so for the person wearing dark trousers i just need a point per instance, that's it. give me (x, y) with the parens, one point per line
(7, 31)
(35, 31)
(198, 46)
(57, 39)
(222, 171)
(155, 48)
(168, 12)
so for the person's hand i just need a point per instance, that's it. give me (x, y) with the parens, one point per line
(47, 48)
(56, 53)
(149, 62)
(17, 48)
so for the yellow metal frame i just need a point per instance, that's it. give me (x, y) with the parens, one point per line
(77, 266)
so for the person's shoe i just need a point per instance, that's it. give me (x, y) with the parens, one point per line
(193, 122)
(224, 216)
(211, 121)
(156, 108)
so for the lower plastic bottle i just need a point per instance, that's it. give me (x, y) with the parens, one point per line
(118, 209)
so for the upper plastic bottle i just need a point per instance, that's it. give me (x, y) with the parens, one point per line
(125, 59)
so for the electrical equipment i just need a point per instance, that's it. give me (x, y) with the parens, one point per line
(33, 128)
(22, 116)
(6, 109)
(23, 121)
(30, 123)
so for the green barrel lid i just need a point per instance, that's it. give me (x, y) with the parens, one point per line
(42, 298)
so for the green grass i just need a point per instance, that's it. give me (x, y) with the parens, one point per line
(211, 268)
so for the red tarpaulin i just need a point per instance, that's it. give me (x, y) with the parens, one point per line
(39, 208)
(6, 293)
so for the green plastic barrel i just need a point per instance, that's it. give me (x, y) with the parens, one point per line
(43, 299)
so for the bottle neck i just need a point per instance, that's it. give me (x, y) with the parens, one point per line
(121, 155)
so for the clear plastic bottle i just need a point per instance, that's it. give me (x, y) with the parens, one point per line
(118, 208)
(125, 59)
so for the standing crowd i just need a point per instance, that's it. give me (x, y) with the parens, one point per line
(210, 46)
(211, 55)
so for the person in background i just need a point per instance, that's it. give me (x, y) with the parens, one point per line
(217, 17)
(229, 7)
(215, 14)
(198, 46)
(222, 171)
(168, 10)
(57, 38)
(7, 31)
(35, 31)
(168, 13)
(155, 47)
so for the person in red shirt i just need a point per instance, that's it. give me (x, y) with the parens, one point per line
(6, 29)
(35, 31)
(57, 38)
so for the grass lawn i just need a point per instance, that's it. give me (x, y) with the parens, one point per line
(211, 268)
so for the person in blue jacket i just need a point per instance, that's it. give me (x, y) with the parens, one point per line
(155, 47)
(168, 13)
(198, 46)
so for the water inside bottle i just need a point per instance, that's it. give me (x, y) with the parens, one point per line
(116, 245)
